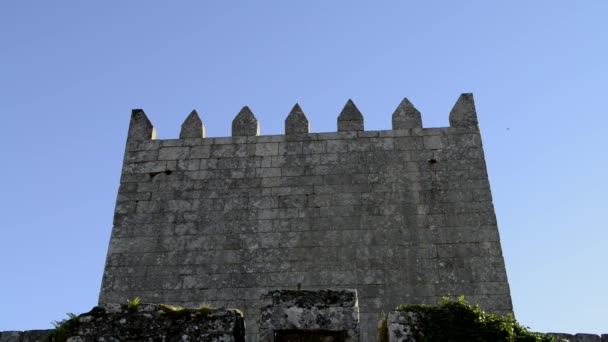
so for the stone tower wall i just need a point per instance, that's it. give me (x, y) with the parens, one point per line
(402, 215)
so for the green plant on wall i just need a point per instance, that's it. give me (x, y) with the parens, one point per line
(62, 327)
(132, 305)
(454, 320)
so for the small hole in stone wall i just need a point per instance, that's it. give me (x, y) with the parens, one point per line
(432, 161)
(154, 174)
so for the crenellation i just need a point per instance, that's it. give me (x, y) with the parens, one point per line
(464, 114)
(296, 122)
(350, 119)
(140, 127)
(192, 127)
(245, 124)
(406, 116)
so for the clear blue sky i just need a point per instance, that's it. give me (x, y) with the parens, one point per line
(70, 72)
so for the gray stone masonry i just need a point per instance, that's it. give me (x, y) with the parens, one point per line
(245, 124)
(302, 311)
(296, 122)
(192, 127)
(145, 322)
(140, 127)
(350, 119)
(579, 337)
(403, 216)
(406, 116)
(464, 114)
(24, 336)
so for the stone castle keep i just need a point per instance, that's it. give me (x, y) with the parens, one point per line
(401, 216)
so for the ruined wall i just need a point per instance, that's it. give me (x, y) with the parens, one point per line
(145, 322)
(407, 326)
(403, 215)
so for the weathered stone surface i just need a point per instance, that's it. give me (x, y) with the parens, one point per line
(302, 311)
(464, 114)
(403, 216)
(350, 119)
(25, 336)
(35, 336)
(192, 127)
(559, 337)
(296, 122)
(406, 116)
(245, 124)
(587, 338)
(149, 322)
(140, 127)
(401, 329)
(10, 336)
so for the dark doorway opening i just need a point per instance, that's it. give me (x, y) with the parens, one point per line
(309, 336)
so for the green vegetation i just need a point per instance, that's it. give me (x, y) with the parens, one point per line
(383, 328)
(178, 312)
(60, 333)
(457, 321)
(132, 305)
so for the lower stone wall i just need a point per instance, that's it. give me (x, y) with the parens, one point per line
(403, 325)
(25, 336)
(579, 337)
(327, 315)
(145, 322)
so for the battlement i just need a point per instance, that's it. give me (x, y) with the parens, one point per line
(402, 215)
(350, 120)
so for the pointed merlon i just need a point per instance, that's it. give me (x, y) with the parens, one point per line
(350, 118)
(464, 114)
(296, 122)
(406, 116)
(140, 127)
(192, 127)
(245, 124)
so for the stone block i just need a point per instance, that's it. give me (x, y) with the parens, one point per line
(433, 142)
(408, 143)
(464, 114)
(406, 116)
(10, 336)
(192, 127)
(173, 153)
(266, 149)
(587, 338)
(350, 119)
(559, 337)
(245, 124)
(140, 128)
(302, 312)
(34, 336)
(141, 156)
(296, 122)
